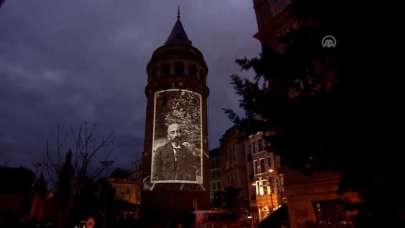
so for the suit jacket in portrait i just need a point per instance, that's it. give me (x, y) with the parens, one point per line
(165, 167)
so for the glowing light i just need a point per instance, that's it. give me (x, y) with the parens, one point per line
(271, 170)
(90, 222)
(249, 217)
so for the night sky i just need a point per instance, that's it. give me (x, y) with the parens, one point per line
(66, 62)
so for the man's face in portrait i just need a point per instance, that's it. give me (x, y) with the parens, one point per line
(174, 134)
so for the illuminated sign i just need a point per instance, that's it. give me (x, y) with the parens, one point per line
(177, 137)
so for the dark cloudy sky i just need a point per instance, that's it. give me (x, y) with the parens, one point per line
(70, 61)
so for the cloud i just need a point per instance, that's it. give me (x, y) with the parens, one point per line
(66, 62)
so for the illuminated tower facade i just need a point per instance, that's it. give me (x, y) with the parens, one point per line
(175, 158)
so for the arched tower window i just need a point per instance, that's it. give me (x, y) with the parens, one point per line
(154, 72)
(201, 74)
(179, 68)
(165, 70)
(193, 71)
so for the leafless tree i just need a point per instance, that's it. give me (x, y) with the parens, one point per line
(86, 144)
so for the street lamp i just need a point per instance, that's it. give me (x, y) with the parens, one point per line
(271, 171)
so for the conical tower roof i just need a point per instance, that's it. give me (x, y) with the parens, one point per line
(178, 35)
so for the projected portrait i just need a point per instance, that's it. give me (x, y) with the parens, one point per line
(177, 137)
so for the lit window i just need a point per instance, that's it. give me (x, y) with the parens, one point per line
(268, 189)
(264, 185)
(261, 190)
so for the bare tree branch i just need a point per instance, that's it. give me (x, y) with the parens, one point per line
(85, 143)
(106, 141)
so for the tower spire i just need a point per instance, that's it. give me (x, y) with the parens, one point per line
(178, 35)
(178, 12)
